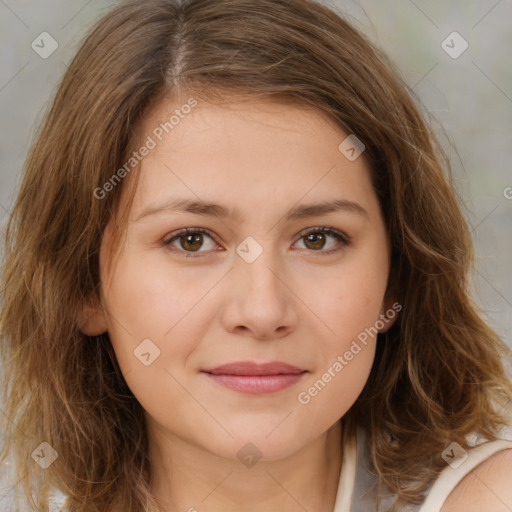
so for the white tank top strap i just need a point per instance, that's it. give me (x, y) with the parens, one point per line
(348, 474)
(450, 477)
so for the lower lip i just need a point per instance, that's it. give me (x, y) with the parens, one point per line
(257, 384)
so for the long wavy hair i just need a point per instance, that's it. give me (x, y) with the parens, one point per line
(438, 374)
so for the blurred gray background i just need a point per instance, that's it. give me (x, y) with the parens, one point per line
(468, 93)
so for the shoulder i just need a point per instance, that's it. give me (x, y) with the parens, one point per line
(486, 487)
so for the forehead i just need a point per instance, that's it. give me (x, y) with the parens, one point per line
(249, 155)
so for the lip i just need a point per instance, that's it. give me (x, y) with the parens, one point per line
(255, 369)
(253, 378)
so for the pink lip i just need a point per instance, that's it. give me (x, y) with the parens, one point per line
(253, 378)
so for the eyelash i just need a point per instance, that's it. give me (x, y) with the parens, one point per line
(345, 240)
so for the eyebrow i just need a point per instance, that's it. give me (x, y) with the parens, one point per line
(211, 209)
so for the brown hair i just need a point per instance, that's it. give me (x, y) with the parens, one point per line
(438, 372)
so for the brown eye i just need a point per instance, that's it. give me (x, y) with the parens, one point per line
(317, 240)
(191, 241)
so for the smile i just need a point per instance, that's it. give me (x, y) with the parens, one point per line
(253, 378)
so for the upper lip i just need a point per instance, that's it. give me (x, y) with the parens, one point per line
(251, 368)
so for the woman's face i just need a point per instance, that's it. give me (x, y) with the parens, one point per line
(251, 281)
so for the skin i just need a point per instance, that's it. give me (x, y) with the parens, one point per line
(294, 303)
(485, 488)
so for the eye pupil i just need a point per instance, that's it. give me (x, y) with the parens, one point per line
(315, 238)
(195, 240)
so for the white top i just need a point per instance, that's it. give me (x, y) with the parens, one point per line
(347, 501)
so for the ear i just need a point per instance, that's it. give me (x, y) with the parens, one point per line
(92, 320)
(388, 314)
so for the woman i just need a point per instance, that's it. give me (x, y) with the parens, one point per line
(236, 277)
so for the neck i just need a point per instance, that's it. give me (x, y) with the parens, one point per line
(186, 477)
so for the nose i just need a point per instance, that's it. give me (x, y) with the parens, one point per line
(260, 303)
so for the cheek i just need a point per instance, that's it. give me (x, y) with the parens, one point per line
(157, 319)
(348, 303)
(330, 393)
(349, 308)
(156, 301)
(347, 300)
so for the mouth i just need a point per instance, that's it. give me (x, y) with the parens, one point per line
(253, 378)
